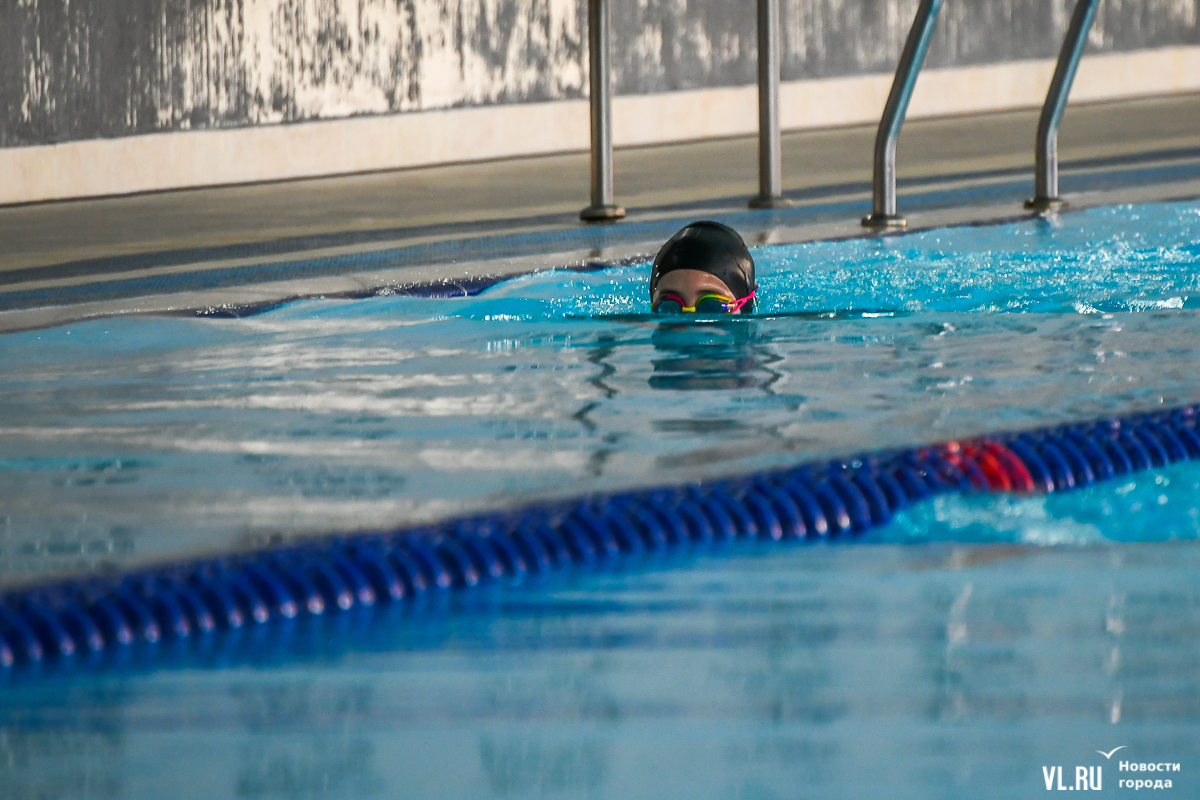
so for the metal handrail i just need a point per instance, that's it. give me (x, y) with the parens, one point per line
(884, 212)
(1045, 184)
(770, 160)
(883, 186)
(602, 209)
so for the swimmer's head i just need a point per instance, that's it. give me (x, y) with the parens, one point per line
(706, 268)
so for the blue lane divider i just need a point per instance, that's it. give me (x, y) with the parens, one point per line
(178, 601)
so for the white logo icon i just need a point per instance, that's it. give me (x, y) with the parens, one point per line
(1109, 754)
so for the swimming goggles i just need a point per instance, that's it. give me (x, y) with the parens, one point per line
(705, 304)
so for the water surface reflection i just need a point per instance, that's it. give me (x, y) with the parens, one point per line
(904, 671)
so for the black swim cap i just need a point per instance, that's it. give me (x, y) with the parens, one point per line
(708, 247)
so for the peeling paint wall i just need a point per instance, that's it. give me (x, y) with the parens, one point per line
(665, 45)
(82, 69)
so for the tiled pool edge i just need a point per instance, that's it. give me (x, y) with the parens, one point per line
(478, 262)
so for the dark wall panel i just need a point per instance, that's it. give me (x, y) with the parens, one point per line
(78, 69)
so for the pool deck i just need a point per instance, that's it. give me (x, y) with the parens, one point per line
(456, 227)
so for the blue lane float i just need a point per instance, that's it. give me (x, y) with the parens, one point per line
(839, 499)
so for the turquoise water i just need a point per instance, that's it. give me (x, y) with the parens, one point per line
(939, 670)
(138, 437)
(956, 653)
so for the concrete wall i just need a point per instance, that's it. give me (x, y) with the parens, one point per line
(74, 70)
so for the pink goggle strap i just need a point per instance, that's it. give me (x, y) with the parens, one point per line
(736, 305)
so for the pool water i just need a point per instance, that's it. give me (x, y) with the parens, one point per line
(939, 670)
(137, 438)
(959, 651)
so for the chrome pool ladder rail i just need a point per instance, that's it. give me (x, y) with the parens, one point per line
(602, 208)
(1045, 184)
(770, 157)
(883, 184)
(884, 213)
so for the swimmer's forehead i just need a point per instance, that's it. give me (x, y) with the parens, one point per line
(692, 280)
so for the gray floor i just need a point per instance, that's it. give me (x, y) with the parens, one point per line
(213, 247)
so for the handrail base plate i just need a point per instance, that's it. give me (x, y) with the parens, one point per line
(605, 213)
(884, 221)
(768, 202)
(1042, 204)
